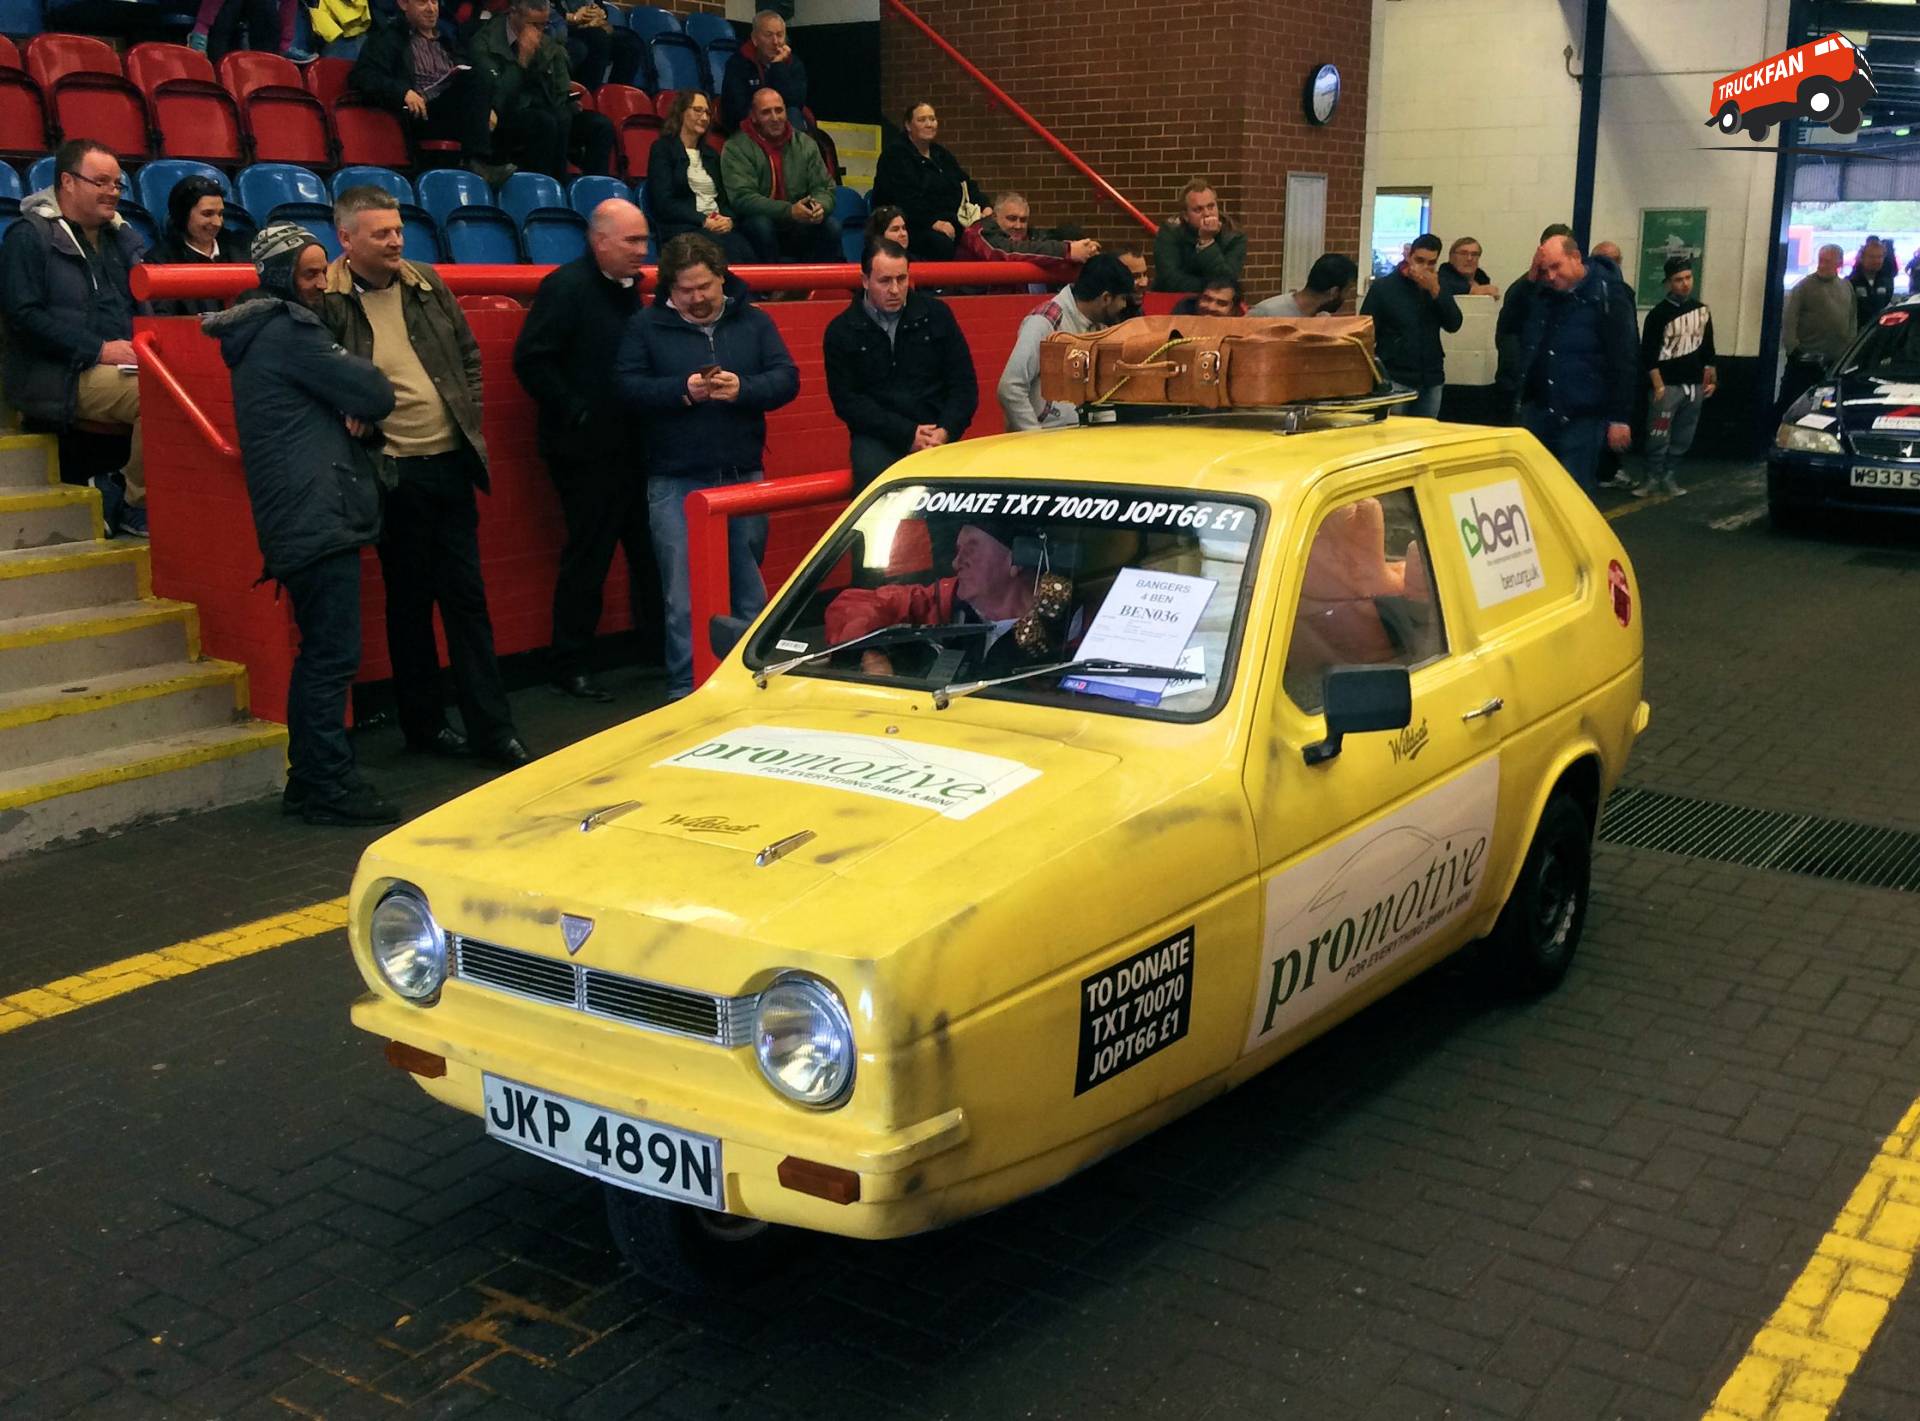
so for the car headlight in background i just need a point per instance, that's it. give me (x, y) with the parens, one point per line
(803, 1040)
(1806, 441)
(408, 946)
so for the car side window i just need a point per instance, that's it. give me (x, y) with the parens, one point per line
(1367, 595)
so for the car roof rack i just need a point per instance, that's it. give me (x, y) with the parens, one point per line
(1288, 418)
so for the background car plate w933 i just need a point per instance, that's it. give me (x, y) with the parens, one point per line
(633, 1153)
(1885, 478)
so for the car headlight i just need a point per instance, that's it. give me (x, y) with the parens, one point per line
(803, 1040)
(408, 946)
(1807, 441)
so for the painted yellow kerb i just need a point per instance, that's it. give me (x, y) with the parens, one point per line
(143, 970)
(1799, 1364)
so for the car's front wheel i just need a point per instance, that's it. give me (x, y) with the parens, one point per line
(1787, 518)
(1533, 940)
(688, 1249)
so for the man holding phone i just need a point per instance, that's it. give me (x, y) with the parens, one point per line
(781, 191)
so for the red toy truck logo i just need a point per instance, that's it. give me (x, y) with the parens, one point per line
(1822, 81)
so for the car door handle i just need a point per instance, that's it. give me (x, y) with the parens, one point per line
(1483, 711)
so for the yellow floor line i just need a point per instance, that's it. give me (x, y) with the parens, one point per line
(1798, 1365)
(144, 969)
(1652, 500)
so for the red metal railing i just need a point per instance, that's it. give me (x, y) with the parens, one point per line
(1000, 96)
(707, 510)
(147, 346)
(174, 283)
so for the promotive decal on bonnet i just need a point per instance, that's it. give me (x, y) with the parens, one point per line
(1361, 905)
(955, 783)
(1496, 532)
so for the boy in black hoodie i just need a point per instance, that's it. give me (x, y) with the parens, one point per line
(1676, 350)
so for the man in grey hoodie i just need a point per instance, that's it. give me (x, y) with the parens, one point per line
(305, 411)
(1098, 297)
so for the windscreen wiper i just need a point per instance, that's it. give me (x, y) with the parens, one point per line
(1096, 667)
(938, 634)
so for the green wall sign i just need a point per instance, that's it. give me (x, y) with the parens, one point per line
(1669, 232)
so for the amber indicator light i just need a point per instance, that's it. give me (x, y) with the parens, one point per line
(412, 1058)
(823, 1181)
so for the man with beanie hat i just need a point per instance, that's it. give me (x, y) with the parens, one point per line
(1676, 351)
(305, 412)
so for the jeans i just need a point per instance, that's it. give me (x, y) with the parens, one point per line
(1426, 406)
(326, 608)
(746, 543)
(1574, 440)
(793, 241)
(1671, 422)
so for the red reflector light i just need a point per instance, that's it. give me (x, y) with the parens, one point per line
(412, 1058)
(823, 1181)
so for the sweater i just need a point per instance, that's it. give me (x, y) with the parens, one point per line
(1822, 318)
(1019, 388)
(1678, 341)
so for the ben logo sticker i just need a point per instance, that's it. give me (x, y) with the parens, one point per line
(1824, 81)
(1496, 533)
(1134, 1009)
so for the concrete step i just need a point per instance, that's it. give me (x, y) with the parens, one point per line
(851, 138)
(46, 723)
(114, 787)
(56, 648)
(29, 461)
(63, 575)
(56, 514)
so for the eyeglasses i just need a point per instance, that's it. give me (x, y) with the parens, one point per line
(104, 184)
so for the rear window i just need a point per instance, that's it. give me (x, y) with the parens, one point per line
(1065, 594)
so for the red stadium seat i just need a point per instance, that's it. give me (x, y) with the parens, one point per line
(87, 94)
(370, 135)
(327, 79)
(9, 56)
(488, 303)
(284, 122)
(663, 103)
(635, 124)
(193, 116)
(23, 116)
(616, 101)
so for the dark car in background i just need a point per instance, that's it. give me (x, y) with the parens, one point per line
(1852, 442)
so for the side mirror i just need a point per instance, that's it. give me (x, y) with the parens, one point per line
(1361, 698)
(724, 633)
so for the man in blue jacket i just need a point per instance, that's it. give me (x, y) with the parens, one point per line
(704, 365)
(1579, 360)
(305, 411)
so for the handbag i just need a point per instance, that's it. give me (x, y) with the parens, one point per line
(1213, 362)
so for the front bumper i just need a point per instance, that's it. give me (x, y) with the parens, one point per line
(1821, 483)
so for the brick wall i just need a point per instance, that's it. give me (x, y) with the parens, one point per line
(1149, 95)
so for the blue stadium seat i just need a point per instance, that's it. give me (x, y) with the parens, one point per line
(11, 188)
(20, 17)
(155, 181)
(240, 222)
(344, 48)
(445, 190)
(363, 175)
(482, 234)
(850, 206)
(316, 217)
(677, 63)
(587, 193)
(142, 222)
(650, 20)
(40, 175)
(266, 186)
(528, 192)
(710, 30)
(422, 235)
(853, 242)
(553, 235)
(717, 68)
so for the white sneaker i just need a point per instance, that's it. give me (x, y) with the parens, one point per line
(1642, 490)
(1674, 490)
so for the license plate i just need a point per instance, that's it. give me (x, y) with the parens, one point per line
(1885, 478)
(633, 1153)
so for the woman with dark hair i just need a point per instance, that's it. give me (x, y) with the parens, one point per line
(924, 181)
(684, 189)
(888, 222)
(196, 232)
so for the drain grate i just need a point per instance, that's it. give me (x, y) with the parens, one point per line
(1863, 854)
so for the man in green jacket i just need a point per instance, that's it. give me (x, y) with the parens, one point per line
(778, 183)
(1199, 246)
(524, 71)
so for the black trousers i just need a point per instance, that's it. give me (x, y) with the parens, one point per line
(599, 56)
(740, 252)
(458, 113)
(792, 241)
(540, 138)
(326, 608)
(925, 244)
(430, 556)
(605, 505)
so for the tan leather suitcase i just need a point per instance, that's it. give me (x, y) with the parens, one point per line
(1214, 362)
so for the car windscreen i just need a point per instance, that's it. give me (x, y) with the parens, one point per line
(1889, 349)
(941, 585)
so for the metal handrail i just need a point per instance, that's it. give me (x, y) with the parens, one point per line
(147, 346)
(1000, 96)
(201, 282)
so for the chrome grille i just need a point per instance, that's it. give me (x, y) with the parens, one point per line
(655, 1006)
(1899, 448)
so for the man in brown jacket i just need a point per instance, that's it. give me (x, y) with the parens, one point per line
(402, 318)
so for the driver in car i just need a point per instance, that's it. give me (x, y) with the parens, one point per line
(986, 586)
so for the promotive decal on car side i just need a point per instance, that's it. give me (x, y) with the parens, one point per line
(1134, 1009)
(1496, 532)
(954, 783)
(1360, 905)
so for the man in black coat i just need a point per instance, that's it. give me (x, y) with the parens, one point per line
(1579, 360)
(1409, 311)
(590, 440)
(766, 61)
(898, 369)
(411, 67)
(306, 411)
